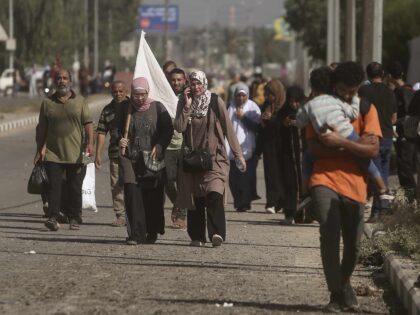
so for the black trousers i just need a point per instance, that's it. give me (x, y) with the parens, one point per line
(69, 200)
(216, 223)
(338, 216)
(144, 210)
(406, 162)
(241, 184)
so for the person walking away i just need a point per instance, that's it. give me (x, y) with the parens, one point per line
(384, 100)
(338, 189)
(406, 150)
(203, 119)
(106, 125)
(173, 156)
(293, 143)
(63, 118)
(145, 128)
(269, 134)
(245, 116)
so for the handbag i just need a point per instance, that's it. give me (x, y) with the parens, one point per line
(38, 181)
(152, 165)
(198, 160)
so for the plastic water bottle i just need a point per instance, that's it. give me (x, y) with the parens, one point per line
(239, 165)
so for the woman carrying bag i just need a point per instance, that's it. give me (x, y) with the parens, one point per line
(147, 132)
(203, 119)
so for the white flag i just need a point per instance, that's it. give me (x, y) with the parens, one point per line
(148, 67)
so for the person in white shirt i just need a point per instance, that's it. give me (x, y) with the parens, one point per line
(245, 115)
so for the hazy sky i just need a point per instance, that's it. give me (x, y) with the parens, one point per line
(247, 12)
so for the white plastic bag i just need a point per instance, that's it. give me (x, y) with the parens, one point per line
(88, 189)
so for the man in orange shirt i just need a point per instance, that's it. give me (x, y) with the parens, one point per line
(338, 189)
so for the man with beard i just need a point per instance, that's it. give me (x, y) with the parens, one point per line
(65, 138)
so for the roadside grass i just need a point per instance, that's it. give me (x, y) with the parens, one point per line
(401, 232)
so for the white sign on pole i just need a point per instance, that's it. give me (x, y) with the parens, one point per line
(127, 49)
(11, 44)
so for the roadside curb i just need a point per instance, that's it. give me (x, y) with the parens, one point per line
(403, 285)
(19, 123)
(33, 119)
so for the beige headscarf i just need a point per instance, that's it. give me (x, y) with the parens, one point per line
(276, 88)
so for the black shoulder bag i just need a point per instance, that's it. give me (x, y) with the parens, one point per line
(198, 160)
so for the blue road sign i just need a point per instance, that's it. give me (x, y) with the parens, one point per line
(152, 18)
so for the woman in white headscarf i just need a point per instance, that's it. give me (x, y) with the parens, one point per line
(203, 119)
(245, 116)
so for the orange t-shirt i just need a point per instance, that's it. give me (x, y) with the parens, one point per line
(344, 174)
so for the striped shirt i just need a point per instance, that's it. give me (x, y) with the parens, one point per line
(106, 124)
(326, 111)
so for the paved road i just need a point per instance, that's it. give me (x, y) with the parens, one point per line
(262, 268)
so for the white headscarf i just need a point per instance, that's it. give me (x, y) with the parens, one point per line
(200, 104)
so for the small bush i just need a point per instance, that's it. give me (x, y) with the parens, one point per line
(402, 231)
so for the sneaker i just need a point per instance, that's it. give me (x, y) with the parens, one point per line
(131, 242)
(304, 202)
(271, 210)
(287, 221)
(52, 224)
(216, 240)
(333, 305)
(349, 302)
(279, 210)
(151, 238)
(386, 196)
(74, 224)
(196, 244)
(119, 221)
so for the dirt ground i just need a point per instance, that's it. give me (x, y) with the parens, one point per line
(262, 268)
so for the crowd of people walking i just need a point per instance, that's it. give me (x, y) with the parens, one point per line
(318, 152)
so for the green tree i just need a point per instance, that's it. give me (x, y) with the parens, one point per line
(400, 24)
(309, 21)
(45, 29)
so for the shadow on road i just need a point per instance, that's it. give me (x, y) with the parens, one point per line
(262, 306)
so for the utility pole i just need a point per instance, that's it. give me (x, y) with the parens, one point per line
(95, 52)
(350, 53)
(165, 40)
(11, 35)
(333, 31)
(372, 31)
(86, 49)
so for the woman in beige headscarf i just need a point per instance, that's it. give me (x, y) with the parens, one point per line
(203, 119)
(270, 142)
